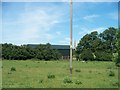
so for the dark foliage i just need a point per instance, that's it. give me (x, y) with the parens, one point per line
(78, 82)
(13, 69)
(111, 73)
(51, 76)
(118, 48)
(103, 56)
(77, 70)
(98, 47)
(87, 55)
(23, 52)
(67, 80)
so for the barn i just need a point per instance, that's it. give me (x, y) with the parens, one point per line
(64, 50)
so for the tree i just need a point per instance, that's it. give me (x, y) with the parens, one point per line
(0, 51)
(23, 52)
(103, 56)
(103, 43)
(118, 48)
(46, 52)
(89, 43)
(87, 55)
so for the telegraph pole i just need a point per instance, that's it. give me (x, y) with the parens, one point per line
(71, 38)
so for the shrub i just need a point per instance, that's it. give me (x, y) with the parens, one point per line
(13, 69)
(9, 73)
(87, 55)
(103, 56)
(77, 70)
(99, 73)
(41, 81)
(115, 84)
(51, 76)
(78, 82)
(109, 67)
(111, 73)
(90, 71)
(118, 49)
(117, 60)
(67, 80)
(118, 64)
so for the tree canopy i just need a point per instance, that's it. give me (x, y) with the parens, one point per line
(98, 46)
(23, 52)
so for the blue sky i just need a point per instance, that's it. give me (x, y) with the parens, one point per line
(49, 22)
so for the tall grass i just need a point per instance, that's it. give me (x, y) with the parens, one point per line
(54, 74)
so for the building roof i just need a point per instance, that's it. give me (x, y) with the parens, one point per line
(60, 46)
(53, 46)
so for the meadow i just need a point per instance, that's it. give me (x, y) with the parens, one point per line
(55, 74)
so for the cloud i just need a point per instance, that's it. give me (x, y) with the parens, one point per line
(0, 23)
(113, 15)
(65, 41)
(58, 33)
(36, 24)
(29, 34)
(90, 17)
(85, 30)
(99, 30)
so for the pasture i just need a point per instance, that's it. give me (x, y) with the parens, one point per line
(55, 74)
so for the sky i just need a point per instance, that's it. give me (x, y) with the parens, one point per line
(49, 22)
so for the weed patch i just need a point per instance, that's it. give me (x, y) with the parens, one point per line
(77, 70)
(9, 73)
(67, 80)
(90, 71)
(111, 73)
(115, 84)
(13, 69)
(109, 67)
(41, 81)
(78, 82)
(51, 76)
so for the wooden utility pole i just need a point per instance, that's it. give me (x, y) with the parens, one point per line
(71, 38)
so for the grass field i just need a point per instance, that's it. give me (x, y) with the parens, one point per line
(35, 74)
(0, 74)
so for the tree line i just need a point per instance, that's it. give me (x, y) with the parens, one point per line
(103, 46)
(94, 46)
(23, 52)
(118, 45)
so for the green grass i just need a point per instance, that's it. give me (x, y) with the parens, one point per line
(34, 74)
(0, 74)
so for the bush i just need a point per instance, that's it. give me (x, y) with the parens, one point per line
(111, 73)
(41, 81)
(118, 49)
(50, 76)
(118, 64)
(24, 52)
(78, 82)
(103, 56)
(77, 70)
(109, 67)
(90, 71)
(9, 73)
(13, 69)
(115, 56)
(67, 80)
(87, 55)
(115, 84)
(117, 61)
